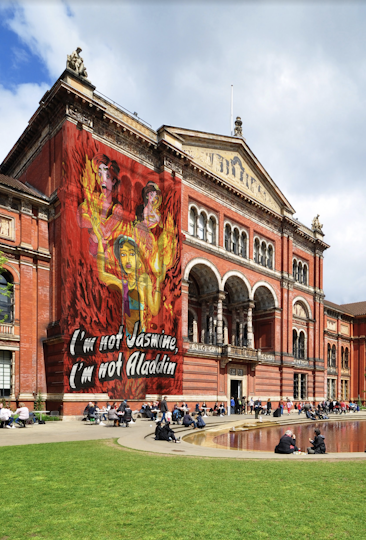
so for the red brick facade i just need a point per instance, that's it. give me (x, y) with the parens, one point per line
(242, 287)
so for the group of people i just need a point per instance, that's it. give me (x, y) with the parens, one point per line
(121, 415)
(287, 444)
(20, 416)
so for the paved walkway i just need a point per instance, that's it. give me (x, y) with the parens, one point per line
(140, 436)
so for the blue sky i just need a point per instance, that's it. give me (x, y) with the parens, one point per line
(299, 75)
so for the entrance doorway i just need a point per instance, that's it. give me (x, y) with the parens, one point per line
(236, 388)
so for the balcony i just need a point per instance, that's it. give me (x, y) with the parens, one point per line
(7, 329)
(229, 353)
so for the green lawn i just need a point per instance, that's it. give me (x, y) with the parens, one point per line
(97, 491)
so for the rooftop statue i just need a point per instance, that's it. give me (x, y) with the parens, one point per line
(76, 63)
(316, 225)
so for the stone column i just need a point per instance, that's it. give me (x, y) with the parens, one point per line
(233, 327)
(241, 327)
(210, 323)
(195, 331)
(203, 322)
(250, 325)
(220, 335)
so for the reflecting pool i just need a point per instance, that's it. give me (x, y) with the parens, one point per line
(340, 436)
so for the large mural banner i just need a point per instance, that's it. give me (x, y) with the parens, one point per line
(121, 275)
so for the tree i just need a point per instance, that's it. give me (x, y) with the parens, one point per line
(5, 290)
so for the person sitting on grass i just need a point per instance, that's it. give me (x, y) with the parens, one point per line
(287, 444)
(188, 420)
(165, 433)
(318, 443)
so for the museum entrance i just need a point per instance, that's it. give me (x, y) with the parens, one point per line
(236, 388)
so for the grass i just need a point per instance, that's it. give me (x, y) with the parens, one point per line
(96, 490)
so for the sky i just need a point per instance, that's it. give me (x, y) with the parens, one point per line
(299, 75)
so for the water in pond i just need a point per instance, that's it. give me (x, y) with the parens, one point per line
(340, 436)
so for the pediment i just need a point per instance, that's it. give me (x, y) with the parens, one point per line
(231, 166)
(232, 160)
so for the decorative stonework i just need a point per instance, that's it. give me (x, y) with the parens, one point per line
(238, 131)
(299, 311)
(231, 167)
(42, 213)
(316, 225)
(331, 325)
(79, 116)
(7, 227)
(76, 63)
(203, 348)
(26, 207)
(173, 165)
(345, 329)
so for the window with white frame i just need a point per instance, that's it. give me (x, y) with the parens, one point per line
(202, 225)
(300, 271)
(5, 373)
(300, 386)
(263, 253)
(235, 240)
(299, 344)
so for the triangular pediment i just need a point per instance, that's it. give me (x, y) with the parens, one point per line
(231, 159)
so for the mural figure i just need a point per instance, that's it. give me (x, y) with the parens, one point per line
(102, 203)
(148, 213)
(135, 286)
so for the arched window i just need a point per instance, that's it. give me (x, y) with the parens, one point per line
(342, 357)
(294, 269)
(256, 250)
(228, 238)
(211, 231)
(263, 254)
(270, 257)
(236, 241)
(334, 357)
(192, 226)
(300, 272)
(243, 245)
(295, 348)
(329, 356)
(202, 226)
(6, 297)
(305, 275)
(301, 345)
(346, 364)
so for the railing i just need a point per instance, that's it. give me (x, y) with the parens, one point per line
(204, 348)
(7, 329)
(239, 352)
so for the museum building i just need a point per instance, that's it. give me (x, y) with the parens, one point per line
(146, 263)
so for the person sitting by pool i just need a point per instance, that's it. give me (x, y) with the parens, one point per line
(188, 421)
(165, 433)
(287, 444)
(318, 443)
(200, 421)
(222, 409)
(310, 414)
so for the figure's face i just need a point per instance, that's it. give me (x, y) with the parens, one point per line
(129, 258)
(105, 179)
(152, 195)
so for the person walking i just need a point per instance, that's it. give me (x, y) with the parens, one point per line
(164, 409)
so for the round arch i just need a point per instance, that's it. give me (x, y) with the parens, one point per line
(306, 304)
(198, 260)
(13, 271)
(241, 276)
(267, 286)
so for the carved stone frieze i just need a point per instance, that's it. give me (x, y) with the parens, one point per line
(79, 116)
(42, 213)
(26, 207)
(126, 143)
(203, 348)
(173, 165)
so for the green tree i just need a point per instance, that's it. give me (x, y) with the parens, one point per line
(5, 290)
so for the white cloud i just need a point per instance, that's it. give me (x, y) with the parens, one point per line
(16, 108)
(299, 75)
